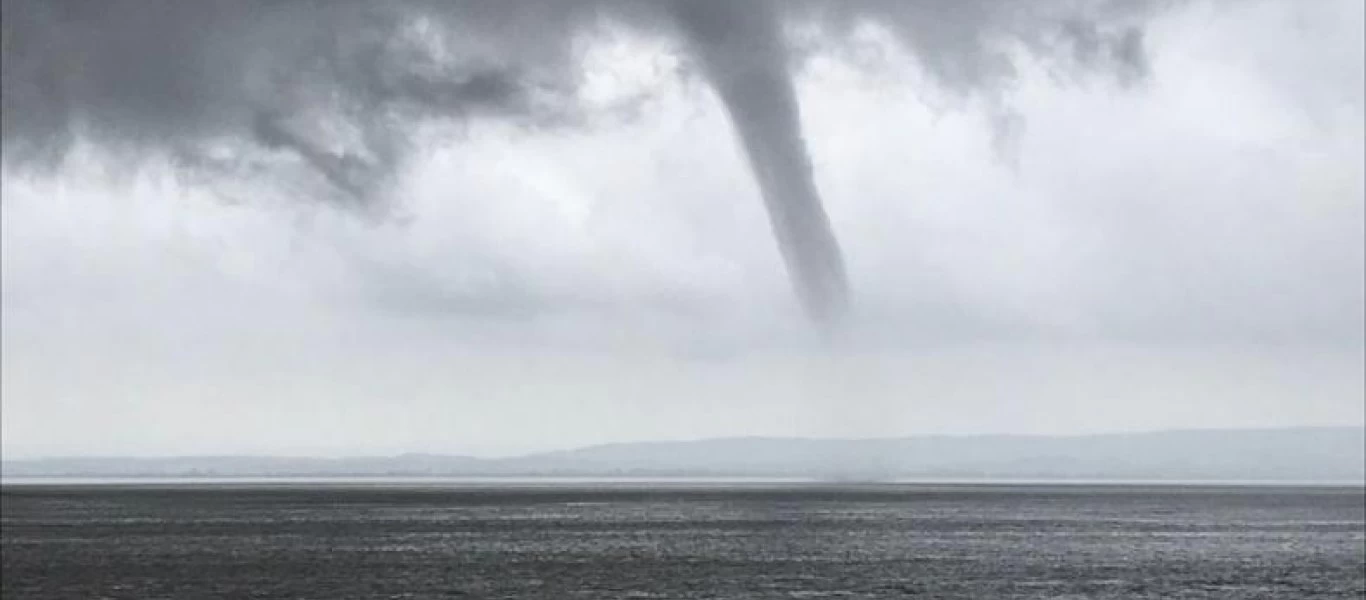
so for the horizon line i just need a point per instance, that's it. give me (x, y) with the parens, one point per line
(4, 452)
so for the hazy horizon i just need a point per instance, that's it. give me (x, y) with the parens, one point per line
(335, 453)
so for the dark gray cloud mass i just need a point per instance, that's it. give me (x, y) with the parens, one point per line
(339, 84)
(156, 70)
(341, 88)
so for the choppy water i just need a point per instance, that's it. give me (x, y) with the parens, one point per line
(681, 541)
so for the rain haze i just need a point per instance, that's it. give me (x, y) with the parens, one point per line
(250, 227)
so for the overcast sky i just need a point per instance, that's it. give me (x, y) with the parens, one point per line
(1051, 222)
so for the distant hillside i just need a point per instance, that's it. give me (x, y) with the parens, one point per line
(1294, 454)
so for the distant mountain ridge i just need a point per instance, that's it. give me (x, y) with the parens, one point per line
(1287, 454)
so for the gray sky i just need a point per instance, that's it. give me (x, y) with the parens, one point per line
(548, 236)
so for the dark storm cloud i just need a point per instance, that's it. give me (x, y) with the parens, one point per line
(159, 73)
(969, 44)
(336, 84)
(340, 88)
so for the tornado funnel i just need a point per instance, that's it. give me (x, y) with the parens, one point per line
(741, 50)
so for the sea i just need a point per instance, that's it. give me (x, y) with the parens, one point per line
(428, 539)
